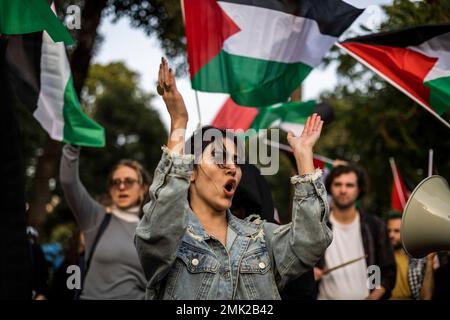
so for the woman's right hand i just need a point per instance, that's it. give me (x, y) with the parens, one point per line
(171, 96)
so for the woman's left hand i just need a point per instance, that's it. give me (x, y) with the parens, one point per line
(310, 135)
(303, 145)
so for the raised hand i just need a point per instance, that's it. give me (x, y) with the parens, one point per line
(310, 135)
(303, 145)
(167, 88)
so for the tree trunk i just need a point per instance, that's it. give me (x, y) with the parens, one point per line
(82, 55)
(46, 168)
(48, 163)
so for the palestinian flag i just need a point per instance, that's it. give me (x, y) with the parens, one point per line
(40, 74)
(399, 193)
(233, 116)
(259, 51)
(289, 116)
(28, 16)
(415, 61)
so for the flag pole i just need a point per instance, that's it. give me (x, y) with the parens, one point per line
(397, 181)
(196, 92)
(430, 162)
(198, 110)
(393, 84)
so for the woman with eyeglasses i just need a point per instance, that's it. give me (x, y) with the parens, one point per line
(189, 243)
(112, 269)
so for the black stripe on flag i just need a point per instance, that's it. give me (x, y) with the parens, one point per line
(23, 56)
(410, 37)
(332, 16)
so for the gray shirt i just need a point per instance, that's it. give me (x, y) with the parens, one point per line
(115, 271)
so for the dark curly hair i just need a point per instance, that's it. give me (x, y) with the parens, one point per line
(362, 178)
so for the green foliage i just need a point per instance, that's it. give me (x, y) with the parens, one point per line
(375, 121)
(160, 18)
(32, 137)
(133, 129)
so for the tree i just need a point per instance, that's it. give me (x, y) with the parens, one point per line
(159, 17)
(133, 130)
(375, 121)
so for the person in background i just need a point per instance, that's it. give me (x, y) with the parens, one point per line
(112, 270)
(73, 256)
(414, 276)
(356, 235)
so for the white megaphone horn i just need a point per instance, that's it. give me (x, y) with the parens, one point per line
(426, 219)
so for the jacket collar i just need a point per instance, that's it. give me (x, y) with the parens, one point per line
(241, 227)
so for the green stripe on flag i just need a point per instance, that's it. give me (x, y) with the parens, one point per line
(79, 129)
(250, 82)
(28, 16)
(439, 94)
(293, 112)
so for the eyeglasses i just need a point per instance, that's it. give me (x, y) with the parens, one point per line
(127, 183)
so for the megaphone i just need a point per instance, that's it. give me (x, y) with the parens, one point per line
(426, 219)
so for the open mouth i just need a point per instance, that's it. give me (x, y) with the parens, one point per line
(123, 196)
(230, 187)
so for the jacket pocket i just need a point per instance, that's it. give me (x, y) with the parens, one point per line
(192, 275)
(257, 262)
(257, 279)
(198, 261)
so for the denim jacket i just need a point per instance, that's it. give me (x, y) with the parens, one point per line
(181, 261)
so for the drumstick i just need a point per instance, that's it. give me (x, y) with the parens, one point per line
(326, 271)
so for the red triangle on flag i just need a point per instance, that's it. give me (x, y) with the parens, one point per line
(233, 116)
(405, 67)
(207, 27)
(399, 193)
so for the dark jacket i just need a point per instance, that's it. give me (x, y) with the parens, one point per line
(378, 249)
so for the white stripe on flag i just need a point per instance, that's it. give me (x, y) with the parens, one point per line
(296, 128)
(392, 82)
(437, 47)
(275, 36)
(55, 72)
